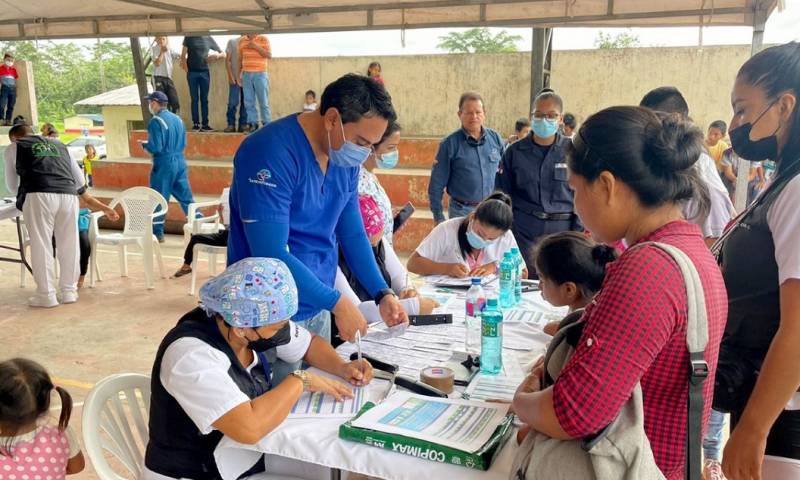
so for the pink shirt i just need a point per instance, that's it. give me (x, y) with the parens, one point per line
(39, 455)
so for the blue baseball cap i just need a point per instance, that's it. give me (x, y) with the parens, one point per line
(159, 97)
(251, 293)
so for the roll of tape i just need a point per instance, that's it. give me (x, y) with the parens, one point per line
(442, 378)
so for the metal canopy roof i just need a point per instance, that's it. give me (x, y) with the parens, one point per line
(123, 18)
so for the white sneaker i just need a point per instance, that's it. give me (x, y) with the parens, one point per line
(38, 301)
(68, 297)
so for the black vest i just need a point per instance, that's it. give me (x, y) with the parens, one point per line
(176, 448)
(751, 279)
(43, 166)
(380, 258)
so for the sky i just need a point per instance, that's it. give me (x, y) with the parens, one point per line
(782, 26)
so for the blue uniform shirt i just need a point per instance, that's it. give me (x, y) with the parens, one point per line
(465, 167)
(277, 180)
(166, 136)
(535, 177)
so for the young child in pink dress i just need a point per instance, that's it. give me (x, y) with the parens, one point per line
(32, 446)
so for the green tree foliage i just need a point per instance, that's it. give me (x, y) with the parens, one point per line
(479, 40)
(66, 72)
(621, 40)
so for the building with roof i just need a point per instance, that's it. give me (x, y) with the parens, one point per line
(121, 113)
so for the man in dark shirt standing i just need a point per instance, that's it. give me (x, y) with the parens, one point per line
(466, 163)
(534, 174)
(194, 60)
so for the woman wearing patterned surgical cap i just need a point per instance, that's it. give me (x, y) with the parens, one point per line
(212, 374)
(392, 270)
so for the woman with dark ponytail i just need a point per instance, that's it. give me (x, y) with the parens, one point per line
(468, 246)
(30, 445)
(631, 170)
(759, 362)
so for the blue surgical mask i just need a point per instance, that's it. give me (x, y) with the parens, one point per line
(350, 154)
(544, 128)
(476, 241)
(388, 160)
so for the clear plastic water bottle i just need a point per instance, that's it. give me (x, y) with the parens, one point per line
(491, 338)
(476, 304)
(507, 269)
(519, 262)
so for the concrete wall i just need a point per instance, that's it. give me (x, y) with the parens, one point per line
(425, 88)
(26, 93)
(116, 120)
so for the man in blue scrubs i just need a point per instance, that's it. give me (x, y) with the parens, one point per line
(295, 197)
(166, 139)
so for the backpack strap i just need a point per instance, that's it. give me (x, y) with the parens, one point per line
(696, 341)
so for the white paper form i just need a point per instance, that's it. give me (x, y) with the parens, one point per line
(501, 386)
(461, 424)
(322, 405)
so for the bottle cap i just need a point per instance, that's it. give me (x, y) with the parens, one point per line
(514, 250)
(476, 280)
(491, 302)
(507, 255)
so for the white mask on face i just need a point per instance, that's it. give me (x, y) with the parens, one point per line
(9, 63)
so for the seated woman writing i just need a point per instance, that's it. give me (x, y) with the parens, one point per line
(468, 246)
(389, 265)
(212, 374)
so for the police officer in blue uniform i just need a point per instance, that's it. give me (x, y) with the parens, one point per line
(166, 142)
(533, 172)
(466, 163)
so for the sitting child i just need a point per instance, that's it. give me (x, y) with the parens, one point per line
(25, 390)
(571, 270)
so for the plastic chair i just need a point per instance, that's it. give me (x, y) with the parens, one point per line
(115, 418)
(138, 205)
(203, 225)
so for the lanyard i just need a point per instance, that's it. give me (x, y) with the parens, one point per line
(267, 368)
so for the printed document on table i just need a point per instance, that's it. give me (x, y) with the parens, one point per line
(501, 386)
(461, 424)
(319, 404)
(448, 281)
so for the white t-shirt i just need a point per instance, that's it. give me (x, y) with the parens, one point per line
(398, 275)
(722, 210)
(784, 223)
(165, 69)
(309, 107)
(441, 245)
(196, 375)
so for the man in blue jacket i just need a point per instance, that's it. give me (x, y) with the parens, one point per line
(166, 139)
(294, 197)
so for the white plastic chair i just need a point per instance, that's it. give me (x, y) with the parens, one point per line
(115, 418)
(138, 205)
(203, 225)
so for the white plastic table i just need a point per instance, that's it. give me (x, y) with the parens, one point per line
(8, 210)
(316, 442)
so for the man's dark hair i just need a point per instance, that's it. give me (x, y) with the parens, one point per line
(523, 122)
(570, 121)
(8, 55)
(355, 97)
(19, 120)
(20, 130)
(720, 125)
(469, 96)
(312, 93)
(666, 99)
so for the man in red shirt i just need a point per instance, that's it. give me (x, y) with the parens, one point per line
(8, 89)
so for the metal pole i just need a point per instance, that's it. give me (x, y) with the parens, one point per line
(759, 21)
(141, 80)
(541, 55)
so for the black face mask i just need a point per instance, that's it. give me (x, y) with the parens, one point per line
(281, 337)
(754, 150)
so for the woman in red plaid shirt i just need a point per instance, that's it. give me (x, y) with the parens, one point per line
(631, 169)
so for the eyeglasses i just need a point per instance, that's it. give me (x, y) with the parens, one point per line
(549, 116)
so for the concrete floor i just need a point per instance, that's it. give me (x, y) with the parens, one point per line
(115, 327)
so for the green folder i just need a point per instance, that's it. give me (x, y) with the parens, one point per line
(479, 460)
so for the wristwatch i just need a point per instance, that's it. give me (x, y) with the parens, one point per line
(383, 293)
(303, 376)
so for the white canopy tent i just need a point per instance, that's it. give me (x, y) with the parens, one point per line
(61, 19)
(42, 19)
